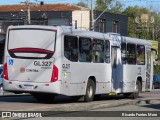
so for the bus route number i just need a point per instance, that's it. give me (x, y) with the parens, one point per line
(43, 63)
(66, 66)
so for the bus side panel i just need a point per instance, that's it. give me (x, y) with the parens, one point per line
(81, 72)
(131, 73)
(66, 77)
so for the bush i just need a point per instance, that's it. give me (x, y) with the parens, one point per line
(156, 69)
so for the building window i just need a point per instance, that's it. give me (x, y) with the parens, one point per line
(98, 51)
(85, 51)
(115, 26)
(71, 48)
(101, 25)
(39, 22)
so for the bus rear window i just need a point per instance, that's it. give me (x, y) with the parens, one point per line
(31, 43)
(32, 38)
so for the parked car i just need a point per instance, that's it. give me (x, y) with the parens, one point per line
(156, 81)
(1, 81)
(1, 77)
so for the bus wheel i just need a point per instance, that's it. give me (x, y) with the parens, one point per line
(90, 91)
(136, 90)
(43, 97)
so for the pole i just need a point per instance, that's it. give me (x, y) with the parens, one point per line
(92, 16)
(28, 12)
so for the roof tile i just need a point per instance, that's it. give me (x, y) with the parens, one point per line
(45, 7)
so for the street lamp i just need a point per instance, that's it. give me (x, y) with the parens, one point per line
(24, 14)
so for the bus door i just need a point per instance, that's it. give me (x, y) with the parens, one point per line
(148, 71)
(114, 78)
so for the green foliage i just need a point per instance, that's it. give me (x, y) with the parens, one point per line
(150, 31)
(156, 69)
(100, 5)
(110, 6)
(83, 4)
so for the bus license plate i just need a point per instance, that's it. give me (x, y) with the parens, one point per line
(28, 86)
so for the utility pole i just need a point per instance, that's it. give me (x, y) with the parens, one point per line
(28, 12)
(92, 16)
(27, 3)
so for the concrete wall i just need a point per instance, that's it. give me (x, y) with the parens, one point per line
(82, 18)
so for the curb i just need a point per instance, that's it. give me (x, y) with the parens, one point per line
(89, 107)
(83, 106)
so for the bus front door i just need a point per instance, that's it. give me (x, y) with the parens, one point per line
(114, 77)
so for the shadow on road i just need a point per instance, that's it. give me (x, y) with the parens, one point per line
(153, 106)
(57, 100)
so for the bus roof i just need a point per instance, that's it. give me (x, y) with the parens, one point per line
(115, 37)
(110, 36)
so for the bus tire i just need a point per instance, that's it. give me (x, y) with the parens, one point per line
(136, 90)
(90, 91)
(43, 97)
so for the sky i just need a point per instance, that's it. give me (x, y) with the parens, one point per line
(37, 1)
(151, 4)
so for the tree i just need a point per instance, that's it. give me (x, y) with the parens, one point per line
(110, 6)
(138, 30)
(83, 4)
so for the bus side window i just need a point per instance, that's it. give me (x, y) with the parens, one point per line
(71, 48)
(123, 53)
(98, 51)
(107, 51)
(140, 54)
(131, 53)
(85, 52)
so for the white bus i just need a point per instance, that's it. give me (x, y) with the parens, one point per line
(48, 60)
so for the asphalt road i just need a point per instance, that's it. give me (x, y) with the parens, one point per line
(141, 111)
(62, 103)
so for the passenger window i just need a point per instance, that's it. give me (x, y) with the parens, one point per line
(123, 53)
(98, 51)
(107, 51)
(71, 48)
(85, 52)
(131, 54)
(140, 54)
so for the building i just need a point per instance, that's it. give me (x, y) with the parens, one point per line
(60, 14)
(110, 22)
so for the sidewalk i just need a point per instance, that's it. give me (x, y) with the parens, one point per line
(7, 94)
